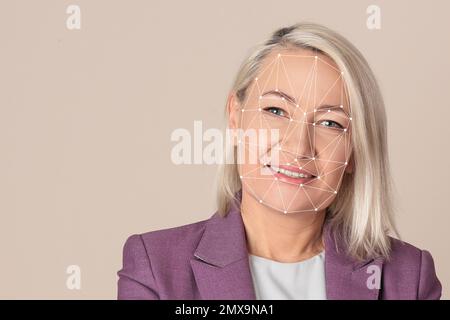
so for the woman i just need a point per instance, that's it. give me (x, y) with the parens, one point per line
(305, 209)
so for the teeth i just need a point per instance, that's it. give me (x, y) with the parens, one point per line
(291, 173)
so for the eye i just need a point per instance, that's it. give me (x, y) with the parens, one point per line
(276, 111)
(332, 124)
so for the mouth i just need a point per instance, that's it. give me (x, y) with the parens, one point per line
(291, 174)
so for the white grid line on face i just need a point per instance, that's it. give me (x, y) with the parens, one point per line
(312, 87)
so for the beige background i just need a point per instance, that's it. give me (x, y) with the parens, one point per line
(86, 118)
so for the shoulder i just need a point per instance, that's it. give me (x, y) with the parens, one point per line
(410, 269)
(179, 238)
(174, 242)
(148, 256)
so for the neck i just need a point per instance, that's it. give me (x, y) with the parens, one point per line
(282, 237)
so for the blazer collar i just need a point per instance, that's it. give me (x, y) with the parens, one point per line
(222, 271)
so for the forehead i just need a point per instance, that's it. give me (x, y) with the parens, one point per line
(309, 77)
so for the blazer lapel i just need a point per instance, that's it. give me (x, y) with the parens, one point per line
(346, 278)
(221, 266)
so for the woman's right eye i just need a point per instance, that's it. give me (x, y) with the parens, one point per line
(276, 111)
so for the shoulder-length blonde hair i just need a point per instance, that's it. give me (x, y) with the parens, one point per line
(362, 212)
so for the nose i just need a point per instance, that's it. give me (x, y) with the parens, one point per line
(299, 140)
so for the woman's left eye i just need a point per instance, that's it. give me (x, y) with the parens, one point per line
(276, 111)
(329, 123)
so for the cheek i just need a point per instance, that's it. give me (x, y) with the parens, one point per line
(257, 136)
(333, 158)
(334, 144)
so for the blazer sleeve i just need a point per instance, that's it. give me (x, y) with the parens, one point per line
(136, 279)
(429, 286)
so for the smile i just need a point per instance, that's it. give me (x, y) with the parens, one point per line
(293, 174)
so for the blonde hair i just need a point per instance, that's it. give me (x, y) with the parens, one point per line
(363, 210)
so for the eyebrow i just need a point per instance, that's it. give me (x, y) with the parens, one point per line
(281, 94)
(336, 108)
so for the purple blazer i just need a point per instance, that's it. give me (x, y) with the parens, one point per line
(209, 260)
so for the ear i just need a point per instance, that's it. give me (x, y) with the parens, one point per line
(351, 164)
(233, 110)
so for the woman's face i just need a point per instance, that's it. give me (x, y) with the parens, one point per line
(299, 113)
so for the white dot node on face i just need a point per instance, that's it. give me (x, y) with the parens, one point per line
(239, 141)
(260, 201)
(314, 110)
(345, 163)
(291, 119)
(335, 192)
(301, 185)
(314, 158)
(285, 211)
(315, 209)
(314, 124)
(341, 106)
(350, 118)
(329, 110)
(315, 57)
(259, 109)
(276, 178)
(345, 129)
(318, 177)
(242, 110)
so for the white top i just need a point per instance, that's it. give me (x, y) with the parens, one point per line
(304, 280)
